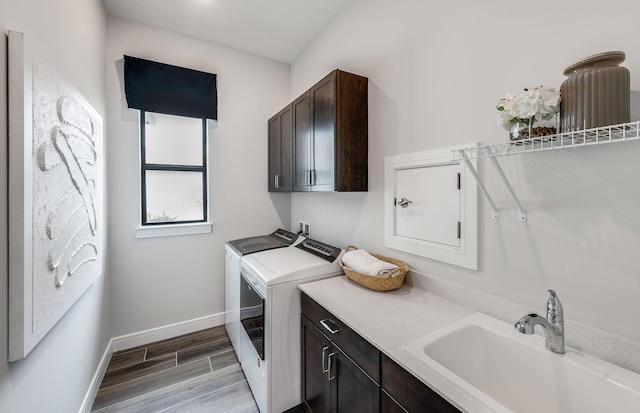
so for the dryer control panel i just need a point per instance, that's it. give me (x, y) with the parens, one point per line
(320, 249)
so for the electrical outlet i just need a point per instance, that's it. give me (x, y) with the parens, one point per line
(304, 228)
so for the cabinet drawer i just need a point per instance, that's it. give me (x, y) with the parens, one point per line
(411, 393)
(357, 348)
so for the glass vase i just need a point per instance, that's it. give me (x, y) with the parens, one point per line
(520, 129)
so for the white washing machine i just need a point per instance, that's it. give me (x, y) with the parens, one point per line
(269, 345)
(234, 251)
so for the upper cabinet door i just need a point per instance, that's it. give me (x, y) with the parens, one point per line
(323, 102)
(281, 151)
(302, 143)
(286, 149)
(275, 161)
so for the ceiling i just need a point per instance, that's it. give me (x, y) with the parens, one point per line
(277, 29)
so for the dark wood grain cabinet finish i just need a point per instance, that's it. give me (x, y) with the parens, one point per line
(343, 372)
(302, 120)
(352, 390)
(332, 381)
(330, 135)
(389, 405)
(409, 392)
(280, 162)
(360, 350)
(316, 387)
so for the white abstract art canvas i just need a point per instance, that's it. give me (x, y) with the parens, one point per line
(55, 197)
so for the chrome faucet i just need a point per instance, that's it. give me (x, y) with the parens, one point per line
(553, 325)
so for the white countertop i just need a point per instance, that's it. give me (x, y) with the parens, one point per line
(390, 319)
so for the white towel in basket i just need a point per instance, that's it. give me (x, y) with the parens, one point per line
(364, 263)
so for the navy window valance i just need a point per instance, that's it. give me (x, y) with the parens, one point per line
(162, 88)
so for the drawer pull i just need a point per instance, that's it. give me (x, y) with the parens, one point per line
(324, 362)
(332, 329)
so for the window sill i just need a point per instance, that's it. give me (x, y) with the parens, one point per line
(156, 231)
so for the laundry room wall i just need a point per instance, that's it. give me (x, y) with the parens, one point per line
(56, 374)
(435, 76)
(161, 281)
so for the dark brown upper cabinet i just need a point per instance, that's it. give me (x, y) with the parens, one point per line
(281, 151)
(330, 135)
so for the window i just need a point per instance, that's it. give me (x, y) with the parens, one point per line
(173, 152)
(176, 104)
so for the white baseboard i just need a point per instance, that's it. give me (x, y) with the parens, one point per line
(139, 339)
(169, 331)
(87, 403)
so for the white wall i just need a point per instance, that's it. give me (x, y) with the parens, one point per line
(56, 375)
(160, 281)
(435, 75)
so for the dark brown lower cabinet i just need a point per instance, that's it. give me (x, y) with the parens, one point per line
(344, 373)
(332, 382)
(352, 390)
(412, 394)
(315, 382)
(389, 405)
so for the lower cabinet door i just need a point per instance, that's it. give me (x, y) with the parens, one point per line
(389, 405)
(315, 359)
(413, 395)
(352, 390)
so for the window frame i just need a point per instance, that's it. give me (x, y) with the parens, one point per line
(144, 167)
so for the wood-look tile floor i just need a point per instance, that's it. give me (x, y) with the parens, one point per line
(194, 373)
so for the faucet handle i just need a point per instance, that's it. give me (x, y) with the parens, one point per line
(555, 312)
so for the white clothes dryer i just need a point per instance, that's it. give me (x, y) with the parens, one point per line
(269, 349)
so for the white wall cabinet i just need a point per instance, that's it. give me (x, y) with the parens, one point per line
(434, 211)
(431, 207)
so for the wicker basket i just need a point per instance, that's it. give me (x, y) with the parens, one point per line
(389, 282)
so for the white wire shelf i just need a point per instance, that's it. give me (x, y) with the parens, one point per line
(606, 134)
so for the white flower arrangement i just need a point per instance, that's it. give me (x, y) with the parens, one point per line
(533, 104)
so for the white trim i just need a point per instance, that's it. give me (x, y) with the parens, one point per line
(169, 331)
(154, 231)
(89, 398)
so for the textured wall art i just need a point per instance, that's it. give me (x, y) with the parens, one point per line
(55, 197)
